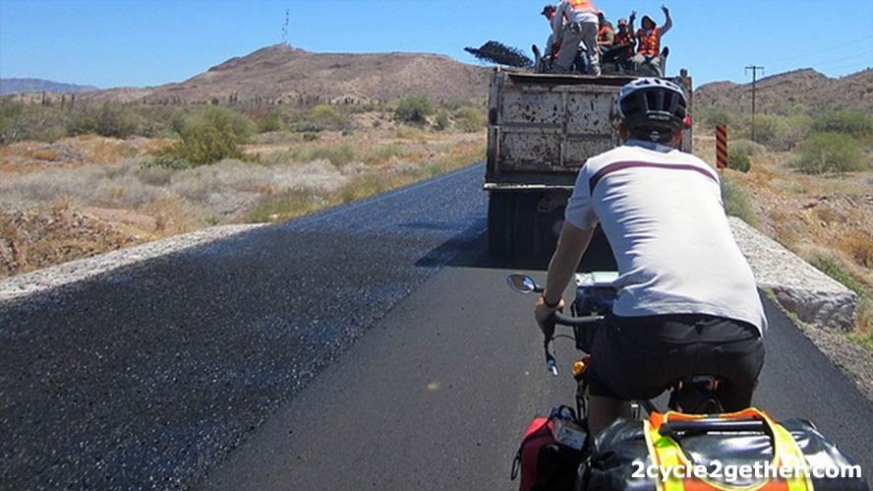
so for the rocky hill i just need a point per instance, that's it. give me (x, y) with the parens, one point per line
(804, 91)
(282, 74)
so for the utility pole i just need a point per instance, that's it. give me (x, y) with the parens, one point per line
(754, 69)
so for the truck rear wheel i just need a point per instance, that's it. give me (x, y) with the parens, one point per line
(499, 224)
(512, 220)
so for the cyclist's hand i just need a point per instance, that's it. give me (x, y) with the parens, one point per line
(542, 312)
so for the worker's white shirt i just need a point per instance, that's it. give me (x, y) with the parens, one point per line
(572, 16)
(663, 214)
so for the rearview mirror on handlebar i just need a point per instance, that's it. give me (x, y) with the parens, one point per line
(523, 283)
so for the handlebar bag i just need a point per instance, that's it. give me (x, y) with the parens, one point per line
(743, 451)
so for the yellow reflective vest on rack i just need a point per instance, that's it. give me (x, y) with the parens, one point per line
(667, 455)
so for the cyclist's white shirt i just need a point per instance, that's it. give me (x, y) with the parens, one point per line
(663, 214)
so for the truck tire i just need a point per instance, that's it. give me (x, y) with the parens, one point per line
(512, 224)
(498, 224)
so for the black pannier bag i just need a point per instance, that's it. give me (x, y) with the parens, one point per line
(740, 451)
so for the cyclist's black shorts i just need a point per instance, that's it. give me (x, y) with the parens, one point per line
(638, 358)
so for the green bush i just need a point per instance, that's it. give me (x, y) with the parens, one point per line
(737, 203)
(836, 269)
(111, 120)
(781, 132)
(856, 124)
(442, 120)
(830, 152)
(413, 109)
(208, 135)
(718, 118)
(322, 117)
(747, 147)
(738, 160)
(237, 126)
(470, 119)
(268, 122)
(20, 122)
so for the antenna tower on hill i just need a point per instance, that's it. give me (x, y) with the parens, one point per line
(285, 26)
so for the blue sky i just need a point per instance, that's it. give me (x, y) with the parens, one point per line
(138, 43)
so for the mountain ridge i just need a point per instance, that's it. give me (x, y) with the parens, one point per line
(282, 74)
(9, 86)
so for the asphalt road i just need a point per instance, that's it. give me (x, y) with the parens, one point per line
(374, 345)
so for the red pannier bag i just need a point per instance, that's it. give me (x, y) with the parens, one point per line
(546, 464)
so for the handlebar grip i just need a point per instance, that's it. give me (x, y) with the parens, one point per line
(566, 320)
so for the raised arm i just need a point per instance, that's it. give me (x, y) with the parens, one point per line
(667, 23)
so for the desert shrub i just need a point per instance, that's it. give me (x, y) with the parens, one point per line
(19, 122)
(442, 120)
(470, 119)
(110, 120)
(858, 244)
(413, 109)
(737, 203)
(739, 160)
(386, 153)
(291, 203)
(747, 147)
(235, 124)
(836, 269)
(776, 132)
(155, 122)
(792, 130)
(267, 122)
(830, 152)
(856, 124)
(322, 117)
(767, 128)
(718, 118)
(208, 135)
(338, 155)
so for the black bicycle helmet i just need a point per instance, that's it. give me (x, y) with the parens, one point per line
(652, 106)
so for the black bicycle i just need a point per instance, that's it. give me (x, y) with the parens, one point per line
(595, 292)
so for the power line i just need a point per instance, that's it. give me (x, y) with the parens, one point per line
(825, 50)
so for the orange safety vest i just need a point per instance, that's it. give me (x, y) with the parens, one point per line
(667, 454)
(601, 34)
(649, 44)
(626, 38)
(582, 5)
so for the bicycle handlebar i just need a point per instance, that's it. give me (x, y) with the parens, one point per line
(570, 321)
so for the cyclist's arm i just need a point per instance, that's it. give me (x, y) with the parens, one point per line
(571, 246)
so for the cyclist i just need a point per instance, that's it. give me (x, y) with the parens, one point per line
(687, 302)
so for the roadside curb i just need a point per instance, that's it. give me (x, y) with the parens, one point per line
(814, 297)
(82, 269)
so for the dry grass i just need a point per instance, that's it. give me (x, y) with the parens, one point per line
(105, 181)
(827, 220)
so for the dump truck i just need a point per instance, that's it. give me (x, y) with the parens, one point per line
(541, 130)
